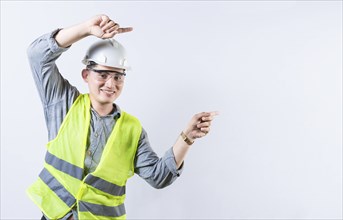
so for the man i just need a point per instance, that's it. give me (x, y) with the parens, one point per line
(94, 147)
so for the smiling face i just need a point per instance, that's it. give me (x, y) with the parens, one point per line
(104, 87)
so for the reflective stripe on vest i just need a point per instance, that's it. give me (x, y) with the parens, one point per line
(102, 210)
(104, 185)
(57, 187)
(101, 194)
(63, 166)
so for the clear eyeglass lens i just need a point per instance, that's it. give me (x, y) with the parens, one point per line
(106, 76)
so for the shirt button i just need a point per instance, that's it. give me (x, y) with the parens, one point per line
(89, 152)
(96, 135)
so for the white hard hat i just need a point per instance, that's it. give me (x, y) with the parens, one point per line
(107, 52)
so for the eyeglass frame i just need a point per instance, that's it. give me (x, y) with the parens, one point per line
(109, 71)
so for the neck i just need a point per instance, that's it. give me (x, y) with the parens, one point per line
(103, 109)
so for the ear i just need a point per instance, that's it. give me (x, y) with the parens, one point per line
(85, 74)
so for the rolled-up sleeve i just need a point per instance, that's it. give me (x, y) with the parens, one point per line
(158, 172)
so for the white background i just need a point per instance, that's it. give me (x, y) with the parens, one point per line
(272, 68)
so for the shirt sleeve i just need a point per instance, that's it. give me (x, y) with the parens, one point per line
(56, 93)
(158, 172)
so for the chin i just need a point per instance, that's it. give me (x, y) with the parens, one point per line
(107, 100)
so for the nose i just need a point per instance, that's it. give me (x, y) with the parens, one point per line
(111, 82)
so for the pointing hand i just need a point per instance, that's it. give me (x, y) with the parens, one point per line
(103, 27)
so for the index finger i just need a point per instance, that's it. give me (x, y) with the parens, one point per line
(124, 30)
(209, 116)
(214, 113)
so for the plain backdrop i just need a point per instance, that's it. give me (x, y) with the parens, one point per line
(273, 69)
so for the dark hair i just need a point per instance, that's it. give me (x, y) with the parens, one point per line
(91, 64)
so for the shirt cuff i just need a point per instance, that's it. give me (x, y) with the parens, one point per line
(171, 164)
(53, 44)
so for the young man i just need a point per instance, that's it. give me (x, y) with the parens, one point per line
(94, 146)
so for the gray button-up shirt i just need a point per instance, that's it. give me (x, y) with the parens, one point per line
(57, 96)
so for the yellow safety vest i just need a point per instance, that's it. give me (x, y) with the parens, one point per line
(98, 195)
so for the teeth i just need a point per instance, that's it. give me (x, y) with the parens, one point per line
(109, 92)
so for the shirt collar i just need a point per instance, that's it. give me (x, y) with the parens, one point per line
(116, 112)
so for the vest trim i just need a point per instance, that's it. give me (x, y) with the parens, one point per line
(104, 185)
(57, 187)
(102, 210)
(63, 166)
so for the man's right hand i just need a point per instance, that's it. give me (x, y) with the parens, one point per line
(100, 26)
(103, 27)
